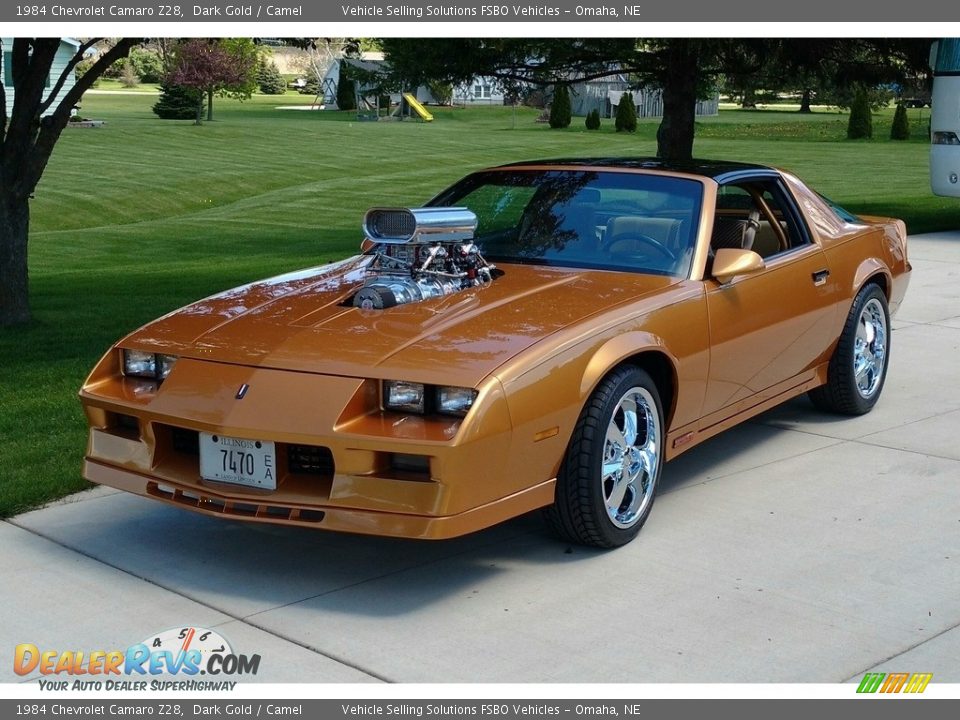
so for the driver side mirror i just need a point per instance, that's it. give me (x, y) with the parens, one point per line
(730, 262)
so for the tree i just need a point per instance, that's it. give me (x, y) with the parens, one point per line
(346, 90)
(225, 67)
(28, 133)
(560, 108)
(177, 102)
(442, 92)
(147, 64)
(269, 79)
(900, 130)
(593, 120)
(626, 119)
(860, 124)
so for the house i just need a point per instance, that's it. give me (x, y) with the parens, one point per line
(68, 48)
(604, 94)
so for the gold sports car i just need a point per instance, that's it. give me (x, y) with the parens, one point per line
(539, 335)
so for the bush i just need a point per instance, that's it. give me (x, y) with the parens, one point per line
(269, 79)
(900, 130)
(860, 124)
(560, 108)
(177, 102)
(442, 92)
(626, 120)
(593, 120)
(147, 64)
(128, 76)
(311, 86)
(81, 69)
(346, 92)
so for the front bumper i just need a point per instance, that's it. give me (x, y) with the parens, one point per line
(367, 522)
(143, 439)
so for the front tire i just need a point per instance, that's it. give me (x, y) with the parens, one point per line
(609, 475)
(858, 367)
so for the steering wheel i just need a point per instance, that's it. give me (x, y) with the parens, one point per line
(634, 237)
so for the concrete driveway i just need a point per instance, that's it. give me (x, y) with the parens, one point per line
(797, 548)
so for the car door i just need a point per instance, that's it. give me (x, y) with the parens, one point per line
(769, 328)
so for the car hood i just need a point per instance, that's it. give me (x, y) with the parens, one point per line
(303, 322)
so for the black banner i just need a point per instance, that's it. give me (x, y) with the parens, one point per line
(558, 11)
(188, 709)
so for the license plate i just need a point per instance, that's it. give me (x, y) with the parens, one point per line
(235, 460)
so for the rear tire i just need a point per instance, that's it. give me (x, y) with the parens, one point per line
(609, 475)
(858, 367)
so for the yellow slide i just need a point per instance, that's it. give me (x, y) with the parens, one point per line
(418, 108)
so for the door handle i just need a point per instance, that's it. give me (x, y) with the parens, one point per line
(820, 277)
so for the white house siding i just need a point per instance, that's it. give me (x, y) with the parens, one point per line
(68, 48)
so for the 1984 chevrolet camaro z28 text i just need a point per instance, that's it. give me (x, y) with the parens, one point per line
(539, 335)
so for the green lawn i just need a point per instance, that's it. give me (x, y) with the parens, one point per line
(143, 215)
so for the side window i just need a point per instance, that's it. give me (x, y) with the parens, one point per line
(757, 215)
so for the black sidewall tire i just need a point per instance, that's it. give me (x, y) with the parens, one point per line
(840, 394)
(579, 512)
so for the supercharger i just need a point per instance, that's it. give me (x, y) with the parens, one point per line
(419, 254)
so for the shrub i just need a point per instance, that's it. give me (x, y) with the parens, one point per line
(346, 92)
(900, 130)
(626, 120)
(560, 108)
(860, 124)
(311, 85)
(147, 64)
(269, 79)
(81, 69)
(128, 76)
(177, 102)
(442, 92)
(593, 120)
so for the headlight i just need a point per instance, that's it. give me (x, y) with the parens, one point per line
(410, 397)
(455, 400)
(404, 396)
(155, 366)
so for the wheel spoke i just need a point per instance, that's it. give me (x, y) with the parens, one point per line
(617, 494)
(610, 468)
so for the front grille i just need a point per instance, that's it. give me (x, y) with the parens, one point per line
(185, 441)
(309, 460)
(201, 501)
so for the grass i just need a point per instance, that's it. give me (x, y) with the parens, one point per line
(143, 215)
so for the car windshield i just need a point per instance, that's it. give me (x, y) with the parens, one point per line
(583, 218)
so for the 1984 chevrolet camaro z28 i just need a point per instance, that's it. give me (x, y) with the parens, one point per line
(539, 335)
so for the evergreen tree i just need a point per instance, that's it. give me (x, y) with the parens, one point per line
(900, 130)
(593, 120)
(346, 91)
(860, 124)
(269, 79)
(177, 102)
(626, 120)
(560, 108)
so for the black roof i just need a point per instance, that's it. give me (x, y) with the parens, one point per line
(720, 170)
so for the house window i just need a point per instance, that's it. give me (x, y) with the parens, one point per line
(481, 91)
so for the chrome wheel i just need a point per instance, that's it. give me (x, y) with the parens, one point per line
(631, 457)
(870, 348)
